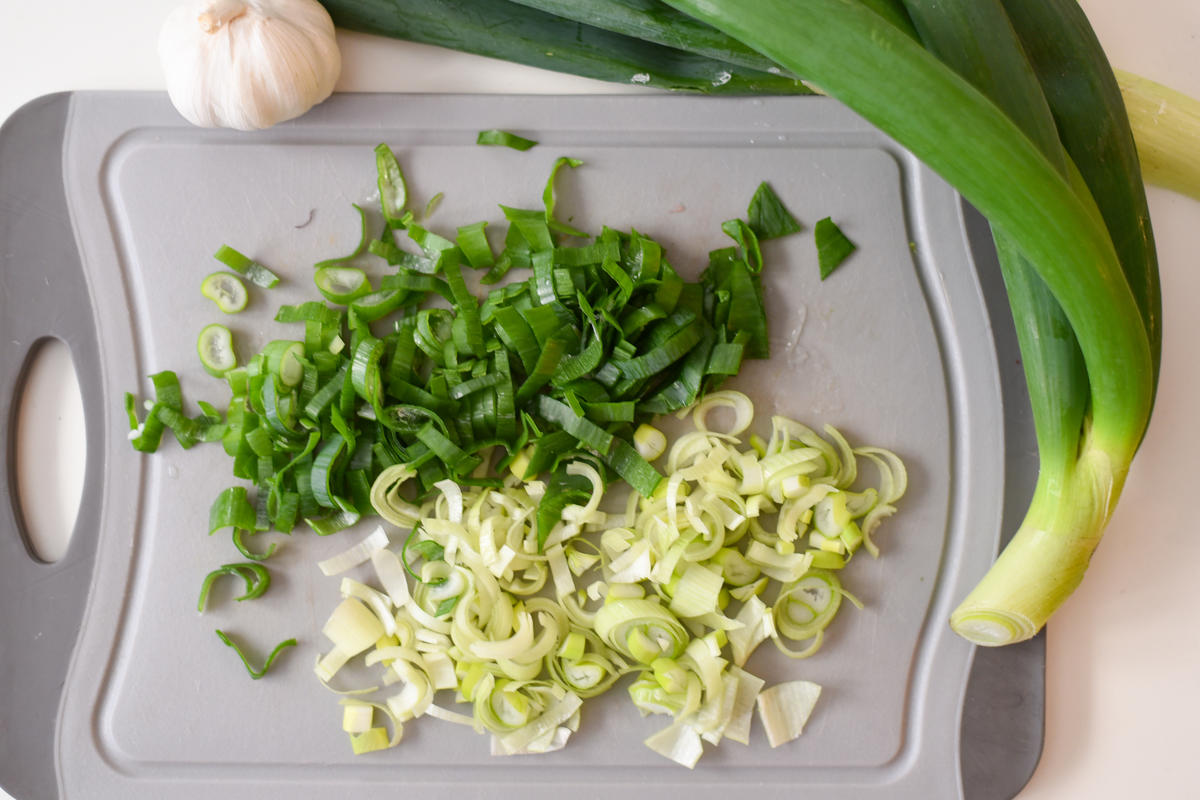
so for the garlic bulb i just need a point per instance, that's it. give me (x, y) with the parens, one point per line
(248, 64)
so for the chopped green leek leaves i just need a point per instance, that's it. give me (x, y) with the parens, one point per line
(768, 217)
(832, 246)
(500, 138)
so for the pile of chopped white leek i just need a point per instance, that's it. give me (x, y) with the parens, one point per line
(742, 543)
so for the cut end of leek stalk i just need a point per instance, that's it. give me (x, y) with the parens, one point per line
(990, 627)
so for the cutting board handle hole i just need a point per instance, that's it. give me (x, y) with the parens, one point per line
(49, 449)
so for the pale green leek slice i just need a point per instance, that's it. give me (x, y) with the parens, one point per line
(357, 554)
(785, 708)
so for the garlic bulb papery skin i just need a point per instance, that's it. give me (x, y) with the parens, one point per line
(248, 64)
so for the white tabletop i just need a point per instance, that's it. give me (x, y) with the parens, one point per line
(1123, 662)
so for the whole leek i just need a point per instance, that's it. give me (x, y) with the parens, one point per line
(1050, 219)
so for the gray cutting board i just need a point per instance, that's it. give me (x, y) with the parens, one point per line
(111, 209)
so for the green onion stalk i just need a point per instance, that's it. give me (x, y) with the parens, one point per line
(1051, 231)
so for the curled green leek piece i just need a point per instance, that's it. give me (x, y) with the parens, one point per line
(498, 138)
(256, 577)
(255, 673)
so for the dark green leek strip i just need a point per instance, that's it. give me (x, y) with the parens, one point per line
(619, 276)
(473, 242)
(506, 410)
(548, 450)
(256, 673)
(639, 473)
(550, 202)
(364, 238)
(546, 320)
(364, 371)
(287, 510)
(646, 255)
(505, 31)
(605, 412)
(255, 576)
(651, 21)
(517, 336)
(662, 356)
(636, 320)
(555, 350)
(575, 367)
(747, 242)
(498, 138)
(1080, 88)
(457, 460)
(832, 246)
(473, 385)
(325, 468)
(768, 217)
(466, 306)
(582, 429)
(246, 551)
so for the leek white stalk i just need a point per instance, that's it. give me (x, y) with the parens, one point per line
(1166, 127)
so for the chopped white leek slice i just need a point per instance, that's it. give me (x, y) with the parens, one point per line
(441, 671)
(756, 627)
(555, 714)
(564, 583)
(352, 627)
(390, 571)
(679, 742)
(375, 599)
(743, 410)
(785, 708)
(742, 714)
(633, 565)
(697, 591)
(446, 715)
(649, 441)
(357, 717)
(454, 499)
(355, 555)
